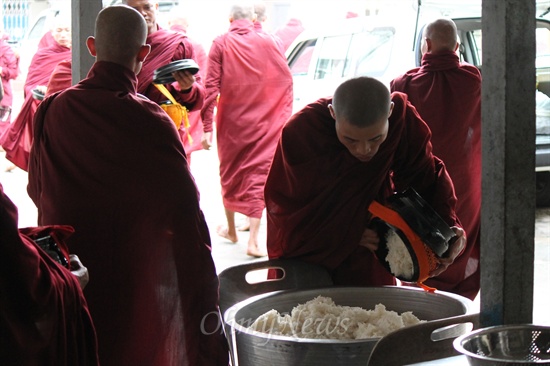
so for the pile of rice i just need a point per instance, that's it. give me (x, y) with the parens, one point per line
(321, 318)
(399, 258)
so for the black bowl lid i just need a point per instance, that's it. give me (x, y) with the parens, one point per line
(163, 75)
(423, 220)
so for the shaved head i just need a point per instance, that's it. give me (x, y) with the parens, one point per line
(361, 101)
(242, 11)
(120, 32)
(442, 35)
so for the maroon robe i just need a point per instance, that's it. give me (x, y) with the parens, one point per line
(249, 72)
(168, 46)
(10, 70)
(447, 94)
(317, 194)
(110, 164)
(61, 77)
(42, 65)
(17, 139)
(195, 122)
(44, 319)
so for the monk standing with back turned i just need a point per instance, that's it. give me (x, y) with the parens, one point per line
(447, 94)
(249, 73)
(110, 164)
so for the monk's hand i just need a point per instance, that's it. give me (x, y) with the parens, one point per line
(370, 239)
(206, 140)
(185, 79)
(79, 271)
(455, 249)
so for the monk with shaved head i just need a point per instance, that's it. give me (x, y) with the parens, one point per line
(109, 162)
(447, 94)
(334, 158)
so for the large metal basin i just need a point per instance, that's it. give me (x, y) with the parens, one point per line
(251, 348)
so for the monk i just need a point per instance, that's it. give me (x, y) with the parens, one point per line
(289, 32)
(249, 73)
(9, 70)
(447, 94)
(17, 139)
(192, 136)
(167, 46)
(110, 163)
(334, 158)
(44, 318)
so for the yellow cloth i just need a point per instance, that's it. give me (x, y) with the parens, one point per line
(176, 111)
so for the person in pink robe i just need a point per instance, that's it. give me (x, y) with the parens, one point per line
(167, 46)
(447, 94)
(334, 158)
(17, 139)
(289, 32)
(249, 73)
(9, 70)
(44, 317)
(110, 163)
(192, 136)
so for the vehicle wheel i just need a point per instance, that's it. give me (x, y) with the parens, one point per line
(543, 189)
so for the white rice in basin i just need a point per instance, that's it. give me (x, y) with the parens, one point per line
(399, 258)
(321, 318)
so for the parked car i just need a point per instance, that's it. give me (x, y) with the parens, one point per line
(387, 47)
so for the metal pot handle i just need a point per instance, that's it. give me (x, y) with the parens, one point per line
(422, 342)
(296, 274)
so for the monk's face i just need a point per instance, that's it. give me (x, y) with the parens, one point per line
(148, 9)
(362, 142)
(62, 35)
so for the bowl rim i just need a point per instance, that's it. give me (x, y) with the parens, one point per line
(228, 317)
(458, 343)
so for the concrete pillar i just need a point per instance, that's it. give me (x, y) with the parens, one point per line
(508, 144)
(83, 23)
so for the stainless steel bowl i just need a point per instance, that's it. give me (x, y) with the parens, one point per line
(521, 344)
(251, 348)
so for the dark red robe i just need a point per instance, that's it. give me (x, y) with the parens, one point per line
(249, 73)
(44, 318)
(168, 46)
(317, 194)
(110, 164)
(17, 139)
(195, 122)
(10, 70)
(447, 94)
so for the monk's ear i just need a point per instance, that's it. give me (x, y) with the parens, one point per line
(456, 46)
(90, 43)
(391, 109)
(331, 110)
(143, 52)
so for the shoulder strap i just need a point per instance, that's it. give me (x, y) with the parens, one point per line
(171, 98)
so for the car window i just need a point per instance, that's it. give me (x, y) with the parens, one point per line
(301, 58)
(332, 59)
(371, 52)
